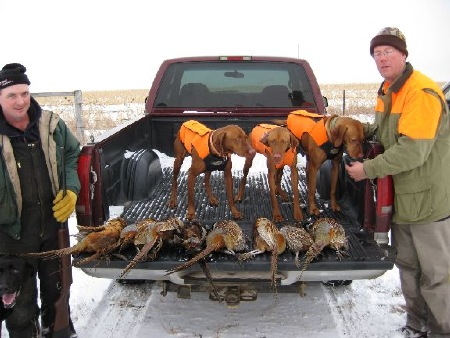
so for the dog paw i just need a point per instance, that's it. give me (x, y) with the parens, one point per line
(238, 215)
(278, 218)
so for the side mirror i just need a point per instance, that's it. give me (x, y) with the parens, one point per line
(325, 101)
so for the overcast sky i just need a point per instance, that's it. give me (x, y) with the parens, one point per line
(111, 44)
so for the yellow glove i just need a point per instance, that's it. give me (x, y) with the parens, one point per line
(64, 206)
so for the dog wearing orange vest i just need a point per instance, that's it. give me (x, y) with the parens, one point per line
(321, 138)
(279, 146)
(210, 150)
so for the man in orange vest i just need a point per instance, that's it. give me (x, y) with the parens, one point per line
(412, 124)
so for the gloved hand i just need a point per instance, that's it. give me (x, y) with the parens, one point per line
(64, 206)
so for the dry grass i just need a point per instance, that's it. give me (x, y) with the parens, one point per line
(103, 110)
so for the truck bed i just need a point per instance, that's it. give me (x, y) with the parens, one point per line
(366, 259)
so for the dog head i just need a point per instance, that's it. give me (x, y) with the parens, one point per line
(279, 140)
(232, 139)
(350, 133)
(12, 272)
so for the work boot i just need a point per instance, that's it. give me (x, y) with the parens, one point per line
(410, 332)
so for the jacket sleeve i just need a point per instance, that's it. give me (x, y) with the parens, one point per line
(71, 154)
(405, 155)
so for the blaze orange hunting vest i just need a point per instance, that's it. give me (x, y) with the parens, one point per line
(258, 132)
(301, 121)
(194, 134)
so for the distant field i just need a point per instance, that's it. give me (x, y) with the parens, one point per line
(334, 93)
(103, 110)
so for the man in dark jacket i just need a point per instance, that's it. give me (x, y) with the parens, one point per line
(33, 144)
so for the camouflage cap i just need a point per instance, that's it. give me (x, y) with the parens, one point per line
(389, 36)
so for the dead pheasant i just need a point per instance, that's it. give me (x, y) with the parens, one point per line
(326, 232)
(297, 240)
(151, 232)
(99, 240)
(191, 237)
(267, 237)
(225, 235)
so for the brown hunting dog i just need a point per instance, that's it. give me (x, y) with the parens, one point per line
(279, 146)
(210, 150)
(321, 138)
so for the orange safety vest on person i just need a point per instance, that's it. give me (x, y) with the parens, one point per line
(258, 132)
(301, 121)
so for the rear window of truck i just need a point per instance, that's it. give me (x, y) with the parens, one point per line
(235, 84)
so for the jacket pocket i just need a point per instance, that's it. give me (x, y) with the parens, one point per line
(413, 200)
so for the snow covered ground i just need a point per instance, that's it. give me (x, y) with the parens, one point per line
(103, 308)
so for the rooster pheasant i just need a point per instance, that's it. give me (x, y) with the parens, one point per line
(267, 238)
(326, 232)
(100, 241)
(149, 233)
(225, 235)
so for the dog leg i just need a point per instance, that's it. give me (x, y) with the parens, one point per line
(213, 200)
(229, 188)
(298, 215)
(334, 179)
(180, 153)
(272, 174)
(191, 192)
(280, 192)
(312, 184)
(247, 165)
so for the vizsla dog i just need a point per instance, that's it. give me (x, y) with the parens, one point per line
(321, 138)
(210, 150)
(279, 146)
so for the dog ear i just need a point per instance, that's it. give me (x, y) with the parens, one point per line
(294, 141)
(337, 135)
(218, 140)
(263, 139)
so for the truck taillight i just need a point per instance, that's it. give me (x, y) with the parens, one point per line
(235, 58)
(385, 201)
(83, 208)
(379, 202)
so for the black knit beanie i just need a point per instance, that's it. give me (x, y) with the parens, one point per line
(13, 74)
(389, 36)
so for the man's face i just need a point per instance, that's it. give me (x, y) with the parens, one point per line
(390, 62)
(15, 102)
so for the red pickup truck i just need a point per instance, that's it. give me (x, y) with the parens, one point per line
(124, 169)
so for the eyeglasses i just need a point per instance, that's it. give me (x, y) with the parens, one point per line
(387, 53)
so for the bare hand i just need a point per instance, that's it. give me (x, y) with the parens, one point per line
(356, 171)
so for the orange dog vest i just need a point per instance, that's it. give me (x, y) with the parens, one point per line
(301, 121)
(193, 134)
(258, 132)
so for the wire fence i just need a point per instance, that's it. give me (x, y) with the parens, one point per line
(101, 111)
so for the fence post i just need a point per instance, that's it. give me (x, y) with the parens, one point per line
(343, 102)
(78, 101)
